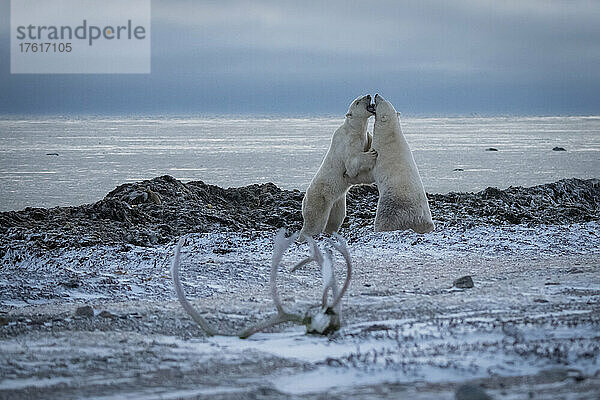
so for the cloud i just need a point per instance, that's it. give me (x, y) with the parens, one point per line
(459, 36)
(433, 56)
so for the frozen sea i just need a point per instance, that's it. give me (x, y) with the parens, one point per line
(97, 154)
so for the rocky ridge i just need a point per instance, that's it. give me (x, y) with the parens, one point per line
(156, 211)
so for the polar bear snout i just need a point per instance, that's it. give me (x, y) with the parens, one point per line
(371, 106)
(378, 100)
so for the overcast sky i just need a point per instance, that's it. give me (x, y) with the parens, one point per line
(458, 57)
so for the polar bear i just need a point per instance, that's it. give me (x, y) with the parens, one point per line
(348, 157)
(402, 201)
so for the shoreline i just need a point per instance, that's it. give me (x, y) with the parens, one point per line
(156, 211)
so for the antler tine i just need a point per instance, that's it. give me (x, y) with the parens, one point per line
(342, 247)
(325, 261)
(187, 306)
(314, 255)
(328, 276)
(272, 321)
(280, 246)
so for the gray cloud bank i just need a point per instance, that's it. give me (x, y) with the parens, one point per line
(286, 57)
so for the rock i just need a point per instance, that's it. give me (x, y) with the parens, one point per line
(106, 314)
(559, 149)
(417, 241)
(222, 250)
(465, 282)
(137, 197)
(154, 197)
(491, 149)
(471, 392)
(493, 193)
(3, 321)
(71, 283)
(39, 214)
(111, 209)
(84, 311)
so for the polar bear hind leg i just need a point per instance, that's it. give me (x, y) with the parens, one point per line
(394, 214)
(315, 212)
(336, 215)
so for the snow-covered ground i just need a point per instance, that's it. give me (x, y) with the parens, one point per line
(530, 325)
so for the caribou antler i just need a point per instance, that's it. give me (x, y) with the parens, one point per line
(326, 263)
(281, 244)
(315, 254)
(327, 318)
(322, 320)
(181, 294)
(342, 247)
(328, 272)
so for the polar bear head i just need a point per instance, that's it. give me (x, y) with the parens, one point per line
(385, 113)
(361, 107)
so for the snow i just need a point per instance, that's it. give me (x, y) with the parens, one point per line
(404, 323)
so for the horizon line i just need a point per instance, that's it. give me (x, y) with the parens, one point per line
(276, 115)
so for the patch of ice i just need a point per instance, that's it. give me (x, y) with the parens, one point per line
(324, 379)
(291, 344)
(16, 384)
(168, 393)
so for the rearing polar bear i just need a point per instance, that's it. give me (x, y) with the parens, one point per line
(402, 201)
(348, 157)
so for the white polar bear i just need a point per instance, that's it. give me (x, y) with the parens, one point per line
(402, 201)
(348, 157)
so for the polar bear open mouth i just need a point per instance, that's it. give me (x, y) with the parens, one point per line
(371, 108)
